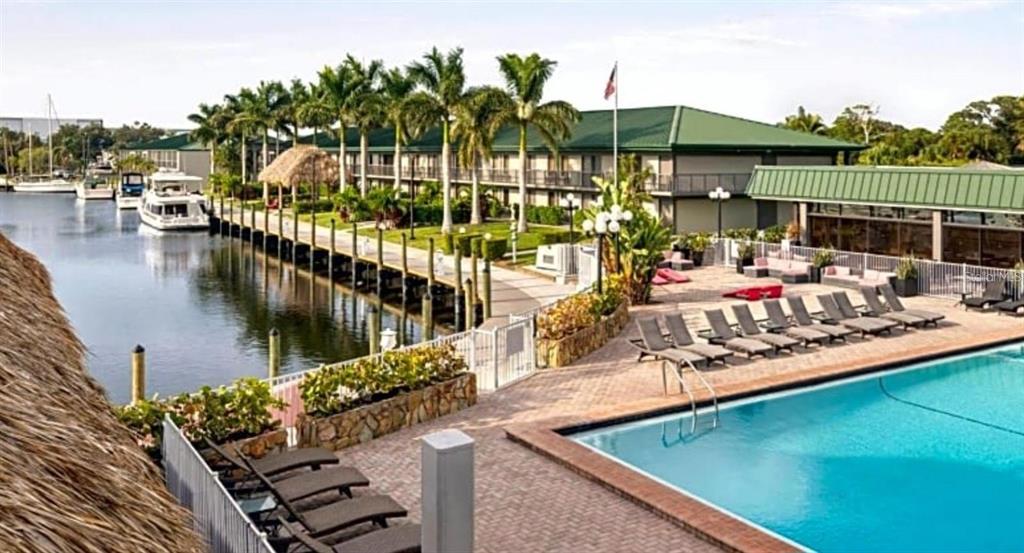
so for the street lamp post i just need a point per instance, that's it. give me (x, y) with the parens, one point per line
(570, 203)
(412, 199)
(513, 235)
(616, 218)
(719, 196)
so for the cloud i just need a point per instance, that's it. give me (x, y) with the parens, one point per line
(887, 12)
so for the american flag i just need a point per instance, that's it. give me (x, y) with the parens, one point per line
(609, 88)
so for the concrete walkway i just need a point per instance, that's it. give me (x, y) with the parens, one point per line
(511, 291)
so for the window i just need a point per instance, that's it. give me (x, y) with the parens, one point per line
(960, 245)
(1000, 248)
(883, 237)
(853, 234)
(824, 232)
(916, 239)
(856, 210)
(964, 217)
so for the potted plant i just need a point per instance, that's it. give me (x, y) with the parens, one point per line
(699, 242)
(822, 258)
(682, 245)
(744, 256)
(905, 282)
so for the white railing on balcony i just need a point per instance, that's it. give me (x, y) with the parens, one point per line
(934, 278)
(216, 515)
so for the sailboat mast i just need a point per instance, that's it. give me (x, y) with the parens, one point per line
(30, 149)
(49, 129)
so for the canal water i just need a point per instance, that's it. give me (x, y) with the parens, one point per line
(201, 305)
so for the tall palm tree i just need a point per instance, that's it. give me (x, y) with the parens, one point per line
(525, 79)
(395, 89)
(246, 110)
(209, 129)
(338, 84)
(477, 121)
(268, 102)
(367, 108)
(315, 111)
(805, 121)
(280, 104)
(443, 80)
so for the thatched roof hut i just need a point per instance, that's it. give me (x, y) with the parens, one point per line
(71, 476)
(301, 164)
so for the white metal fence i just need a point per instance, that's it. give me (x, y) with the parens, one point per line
(934, 278)
(217, 517)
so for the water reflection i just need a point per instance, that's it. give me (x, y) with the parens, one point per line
(201, 305)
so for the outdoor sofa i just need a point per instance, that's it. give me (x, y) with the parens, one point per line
(845, 277)
(790, 271)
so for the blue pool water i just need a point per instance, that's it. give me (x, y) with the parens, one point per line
(924, 459)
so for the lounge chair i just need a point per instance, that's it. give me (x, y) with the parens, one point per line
(682, 339)
(893, 300)
(275, 464)
(653, 343)
(333, 517)
(848, 310)
(804, 319)
(1011, 307)
(864, 326)
(294, 486)
(779, 323)
(876, 309)
(749, 328)
(723, 334)
(993, 294)
(397, 539)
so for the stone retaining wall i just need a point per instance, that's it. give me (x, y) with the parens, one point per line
(559, 353)
(367, 422)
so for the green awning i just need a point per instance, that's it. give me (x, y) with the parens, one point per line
(926, 187)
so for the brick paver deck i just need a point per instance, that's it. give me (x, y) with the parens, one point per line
(525, 502)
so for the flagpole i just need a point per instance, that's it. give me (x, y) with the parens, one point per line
(615, 128)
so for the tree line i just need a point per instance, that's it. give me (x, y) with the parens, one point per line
(984, 130)
(426, 94)
(74, 147)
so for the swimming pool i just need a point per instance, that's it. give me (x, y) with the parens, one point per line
(926, 458)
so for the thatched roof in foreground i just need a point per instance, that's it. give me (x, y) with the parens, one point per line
(71, 477)
(301, 165)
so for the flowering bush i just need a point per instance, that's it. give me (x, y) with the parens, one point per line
(334, 389)
(580, 311)
(225, 413)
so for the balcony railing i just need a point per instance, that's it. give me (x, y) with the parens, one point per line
(679, 185)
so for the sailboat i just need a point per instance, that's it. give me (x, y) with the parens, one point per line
(44, 183)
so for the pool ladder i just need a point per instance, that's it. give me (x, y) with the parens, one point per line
(685, 388)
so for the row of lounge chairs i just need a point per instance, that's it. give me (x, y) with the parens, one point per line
(838, 320)
(994, 297)
(271, 488)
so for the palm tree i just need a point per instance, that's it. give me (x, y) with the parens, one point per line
(804, 121)
(395, 89)
(337, 83)
(316, 110)
(525, 79)
(268, 102)
(443, 81)
(367, 108)
(245, 120)
(477, 121)
(281, 106)
(209, 129)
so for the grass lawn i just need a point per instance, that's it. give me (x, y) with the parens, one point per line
(527, 241)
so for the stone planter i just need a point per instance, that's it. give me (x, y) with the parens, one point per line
(814, 273)
(367, 422)
(697, 257)
(559, 353)
(905, 287)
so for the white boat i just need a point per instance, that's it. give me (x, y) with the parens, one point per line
(93, 189)
(129, 193)
(44, 184)
(173, 202)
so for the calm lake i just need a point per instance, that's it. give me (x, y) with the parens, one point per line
(201, 305)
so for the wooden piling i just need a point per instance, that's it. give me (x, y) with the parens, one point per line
(380, 259)
(355, 252)
(280, 229)
(405, 270)
(138, 374)
(274, 354)
(430, 262)
(312, 237)
(473, 272)
(330, 254)
(487, 287)
(252, 226)
(295, 233)
(373, 331)
(470, 305)
(427, 312)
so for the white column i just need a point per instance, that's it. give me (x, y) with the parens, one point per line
(447, 488)
(805, 233)
(937, 235)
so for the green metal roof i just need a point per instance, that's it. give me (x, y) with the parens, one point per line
(176, 142)
(937, 187)
(654, 129)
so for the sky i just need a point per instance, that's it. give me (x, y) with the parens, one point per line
(156, 61)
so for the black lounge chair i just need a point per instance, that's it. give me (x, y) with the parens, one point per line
(862, 325)
(723, 334)
(876, 309)
(804, 319)
(749, 328)
(333, 517)
(653, 343)
(295, 486)
(779, 323)
(682, 339)
(893, 300)
(994, 293)
(1011, 307)
(849, 311)
(274, 464)
(397, 539)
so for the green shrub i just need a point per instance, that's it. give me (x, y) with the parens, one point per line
(742, 233)
(906, 269)
(556, 237)
(338, 388)
(220, 414)
(824, 258)
(546, 215)
(581, 311)
(492, 249)
(745, 250)
(774, 234)
(322, 206)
